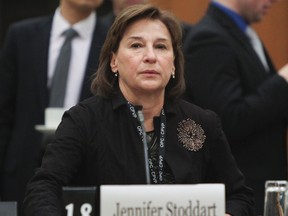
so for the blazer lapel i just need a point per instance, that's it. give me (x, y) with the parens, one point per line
(184, 164)
(40, 50)
(226, 22)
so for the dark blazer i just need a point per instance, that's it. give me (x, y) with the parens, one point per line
(24, 96)
(223, 73)
(97, 143)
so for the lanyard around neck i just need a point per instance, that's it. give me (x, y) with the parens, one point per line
(162, 141)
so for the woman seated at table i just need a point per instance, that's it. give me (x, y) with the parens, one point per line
(99, 141)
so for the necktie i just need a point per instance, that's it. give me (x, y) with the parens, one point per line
(257, 46)
(59, 81)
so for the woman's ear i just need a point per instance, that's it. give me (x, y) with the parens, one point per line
(113, 63)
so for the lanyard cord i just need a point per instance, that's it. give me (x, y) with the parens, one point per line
(139, 122)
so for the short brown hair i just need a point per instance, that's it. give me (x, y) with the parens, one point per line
(104, 81)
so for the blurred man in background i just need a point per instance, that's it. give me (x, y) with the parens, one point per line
(229, 71)
(28, 61)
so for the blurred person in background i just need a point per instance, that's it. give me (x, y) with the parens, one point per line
(27, 66)
(228, 70)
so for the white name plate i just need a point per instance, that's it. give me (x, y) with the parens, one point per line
(162, 200)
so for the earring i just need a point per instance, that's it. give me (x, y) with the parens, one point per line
(173, 75)
(115, 73)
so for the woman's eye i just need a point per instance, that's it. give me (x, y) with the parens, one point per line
(136, 45)
(161, 46)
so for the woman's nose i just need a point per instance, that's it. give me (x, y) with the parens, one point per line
(150, 55)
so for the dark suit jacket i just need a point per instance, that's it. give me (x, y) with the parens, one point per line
(97, 143)
(223, 73)
(24, 96)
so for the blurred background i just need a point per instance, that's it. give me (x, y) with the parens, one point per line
(273, 30)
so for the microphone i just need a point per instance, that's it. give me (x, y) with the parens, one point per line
(145, 145)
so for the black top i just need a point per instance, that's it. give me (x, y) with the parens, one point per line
(153, 149)
(97, 143)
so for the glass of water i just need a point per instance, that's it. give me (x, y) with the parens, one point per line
(274, 204)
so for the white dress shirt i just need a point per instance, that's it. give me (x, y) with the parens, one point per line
(79, 57)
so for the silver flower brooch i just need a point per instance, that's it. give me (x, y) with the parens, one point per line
(190, 135)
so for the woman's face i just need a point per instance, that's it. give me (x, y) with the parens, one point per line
(145, 58)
